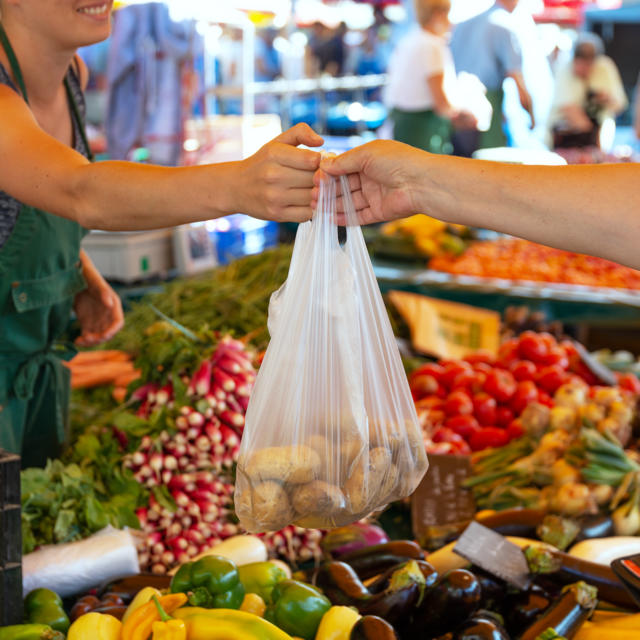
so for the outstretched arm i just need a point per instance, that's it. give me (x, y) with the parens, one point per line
(587, 209)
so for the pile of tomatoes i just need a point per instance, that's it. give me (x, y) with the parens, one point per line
(471, 404)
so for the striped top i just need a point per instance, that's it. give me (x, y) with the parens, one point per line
(10, 207)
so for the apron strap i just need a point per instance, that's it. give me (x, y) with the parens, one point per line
(76, 114)
(25, 379)
(13, 61)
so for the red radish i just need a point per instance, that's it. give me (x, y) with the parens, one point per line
(166, 474)
(232, 418)
(203, 443)
(224, 380)
(196, 419)
(165, 394)
(193, 433)
(141, 393)
(158, 569)
(168, 558)
(138, 458)
(233, 404)
(182, 423)
(181, 498)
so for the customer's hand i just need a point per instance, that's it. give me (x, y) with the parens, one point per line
(383, 176)
(275, 183)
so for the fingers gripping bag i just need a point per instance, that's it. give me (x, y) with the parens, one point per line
(331, 432)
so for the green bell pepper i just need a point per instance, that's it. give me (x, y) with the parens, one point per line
(44, 606)
(30, 632)
(297, 608)
(212, 582)
(261, 578)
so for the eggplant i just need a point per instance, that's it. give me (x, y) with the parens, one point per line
(128, 587)
(566, 569)
(521, 609)
(566, 615)
(594, 526)
(481, 626)
(514, 522)
(372, 628)
(382, 581)
(456, 596)
(373, 561)
(494, 590)
(403, 590)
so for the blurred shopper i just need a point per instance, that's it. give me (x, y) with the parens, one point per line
(588, 95)
(267, 58)
(422, 81)
(487, 47)
(327, 49)
(636, 109)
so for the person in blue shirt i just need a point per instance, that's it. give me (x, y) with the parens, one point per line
(487, 46)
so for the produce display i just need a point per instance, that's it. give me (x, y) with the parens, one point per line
(480, 402)
(517, 259)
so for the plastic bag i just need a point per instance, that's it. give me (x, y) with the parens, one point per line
(331, 432)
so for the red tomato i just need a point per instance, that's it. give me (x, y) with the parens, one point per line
(436, 417)
(525, 394)
(508, 351)
(429, 369)
(482, 367)
(551, 378)
(504, 416)
(451, 371)
(630, 382)
(464, 426)
(549, 339)
(472, 381)
(446, 435)
(480, 356)
(545, 398)
(523, 370)
(558, 356)
(488, 437)
(484, 408)
(532, 346)
(458, 403)
(423, 385)
(500, 384)
(431, 402)
(585, 373)
(569, 348)
(515, 429)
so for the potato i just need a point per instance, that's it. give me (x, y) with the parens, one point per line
(367, 479)
(292, 465)
(317, 498)
(267, 504)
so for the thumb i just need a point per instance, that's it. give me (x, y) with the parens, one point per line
(348, 162)
(106, 298)
(300, 134)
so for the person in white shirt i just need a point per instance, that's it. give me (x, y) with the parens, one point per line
(422, 80)
(588, 93)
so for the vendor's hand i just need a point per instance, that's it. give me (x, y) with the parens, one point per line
(98, 309)
(275, 183)
(464, 121)
(383, 176)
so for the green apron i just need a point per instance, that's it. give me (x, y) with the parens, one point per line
(40, 273)
(423, 129)
(495, 136)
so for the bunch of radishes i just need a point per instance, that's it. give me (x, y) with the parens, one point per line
(200, 521)
(294, 544)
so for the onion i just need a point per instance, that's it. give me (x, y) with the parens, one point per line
(358, 535)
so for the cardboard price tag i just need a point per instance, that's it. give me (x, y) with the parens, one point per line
(447, 330)
(440, 499)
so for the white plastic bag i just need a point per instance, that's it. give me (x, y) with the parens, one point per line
(331, 430)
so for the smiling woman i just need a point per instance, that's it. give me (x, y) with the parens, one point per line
(50, 193)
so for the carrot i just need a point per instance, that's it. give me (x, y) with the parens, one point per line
(119, 394)
(124, 379)
(97, 356)
(83, 377)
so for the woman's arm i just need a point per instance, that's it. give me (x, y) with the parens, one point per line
(275, 183)
(441, 103)
(588, 209)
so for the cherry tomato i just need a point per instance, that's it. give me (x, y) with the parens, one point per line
(431, 402)
(458, 403)
(523, 370)
(508, 351)
(482, 367)
(558, 356)
(484, 408)
(532, 346)
(585, 373)
(446, 435)
(451, 371)
(500, 384)
(436, 417)
(544, 398)
(429, 369)
(485, 357)
(629, 382)
(551, 378)
(525, 394)
(471, 381)
(423, 385)
(515, 429)
(504, 416)
(464, 426)
(488, 437)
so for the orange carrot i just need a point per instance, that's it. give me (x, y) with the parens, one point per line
(124, 379)
(119, 394)
(83, 377)
(91, 357)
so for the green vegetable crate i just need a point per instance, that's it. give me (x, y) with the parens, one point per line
(10, 540)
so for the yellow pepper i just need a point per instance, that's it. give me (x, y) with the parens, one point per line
(336, 624)
(140, 623)
(227, 624)
(142, 597)
(253, 603)
(631, 621)
(95, 626)
(167, 628)
(589, 631)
